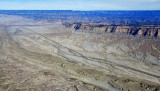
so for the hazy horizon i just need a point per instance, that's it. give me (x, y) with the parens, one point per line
(69, 10)
(83, 5)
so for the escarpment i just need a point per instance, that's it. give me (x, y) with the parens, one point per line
(140, 31)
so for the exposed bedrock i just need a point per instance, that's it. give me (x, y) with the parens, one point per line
(141, 31)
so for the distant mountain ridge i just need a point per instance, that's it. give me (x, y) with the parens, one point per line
(137, 18)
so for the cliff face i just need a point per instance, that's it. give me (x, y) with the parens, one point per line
(141, 31)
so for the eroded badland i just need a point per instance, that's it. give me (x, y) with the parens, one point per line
(53, 56)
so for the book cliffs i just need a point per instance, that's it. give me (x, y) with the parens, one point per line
(149, 31)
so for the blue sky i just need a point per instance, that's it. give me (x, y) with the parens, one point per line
(80, 4)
